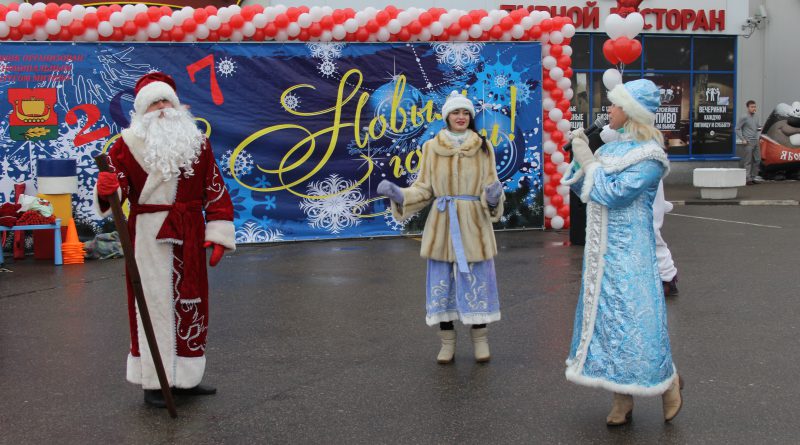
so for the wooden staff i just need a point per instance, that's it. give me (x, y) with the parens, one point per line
(136, 282)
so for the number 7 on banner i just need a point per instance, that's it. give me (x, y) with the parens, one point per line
(208, 61)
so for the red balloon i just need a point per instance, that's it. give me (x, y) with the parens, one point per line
(454, 29)
(556, 50)
(63, 35)
(248, 12)
(465, 21)
(566, 222)
(558, 22)
(425, 18)
(362, 35)
(39, 18)
(259, 35)
(270, 30)
(556, 94)
(281, 21)
(51, 10)
(225, 30)
(392, 11)
(303, 9)
(129, 29)
(292, 13)
(327, 22)
(549, 189)
(339, 16)
(506, 23)
(315, 30)
(26, 27)
(213, 36)
(633, 52)
(549, 125)
(237, 21)
(77, 28)
(548, 83)
(622, 47)
(165, 10)
(568, 72)
(403, 35)
(557, 136)
(563, 211)
(535, 32)
(556, 200)
(258, 8)
(189, 25)
(567, 115)
(496, 32)
(563, 105)
(546, 25)
(372, 26)
(118, 35)
(176, 34)
(211, 10)
(303, 36)
(555, 179)
(141, 20)
(609, 53)
(104, 12)
(382, 17)
(415, 27)
(91, 20)
(200, 15)
(547, 224)
(564, 62)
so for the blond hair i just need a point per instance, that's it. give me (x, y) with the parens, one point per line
(643, 132)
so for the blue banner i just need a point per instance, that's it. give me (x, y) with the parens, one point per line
(302, 132)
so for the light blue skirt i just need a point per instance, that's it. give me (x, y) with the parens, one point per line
(469, 297)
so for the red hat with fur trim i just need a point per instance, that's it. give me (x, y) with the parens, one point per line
(153, 87)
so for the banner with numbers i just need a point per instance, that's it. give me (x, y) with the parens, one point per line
(303, 132)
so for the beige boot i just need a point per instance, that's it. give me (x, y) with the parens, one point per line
(671, 400)
(480, 342)
(621, 410)
(448, 350)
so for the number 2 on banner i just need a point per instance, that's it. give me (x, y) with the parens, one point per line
(208, 61)
(92, 116)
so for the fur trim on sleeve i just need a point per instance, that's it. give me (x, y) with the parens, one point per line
(223, 233)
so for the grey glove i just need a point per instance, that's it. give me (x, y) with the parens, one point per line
(391, 191)
(493, 193)
(581, 152)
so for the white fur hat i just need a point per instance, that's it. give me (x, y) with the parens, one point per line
(457, 101)
(153, 87)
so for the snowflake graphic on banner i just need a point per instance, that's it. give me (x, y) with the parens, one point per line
(291, 102)
(460, 55)
(242, 166)
(226, 67)
(328, 52)
(339, 204)
(252, 232)
(495, 79)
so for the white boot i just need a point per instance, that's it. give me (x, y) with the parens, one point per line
(480, 342)
(448, 350)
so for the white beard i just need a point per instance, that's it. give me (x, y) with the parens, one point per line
(172, 142)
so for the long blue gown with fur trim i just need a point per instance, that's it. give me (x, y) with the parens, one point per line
(620, 340)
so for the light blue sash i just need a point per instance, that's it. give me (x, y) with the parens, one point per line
(449, 202)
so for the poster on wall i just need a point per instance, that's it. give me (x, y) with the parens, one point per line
(713, 114)
(672, 117)
(302, 132)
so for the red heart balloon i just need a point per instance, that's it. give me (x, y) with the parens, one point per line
(608, 51)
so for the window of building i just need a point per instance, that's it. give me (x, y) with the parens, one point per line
(580, 52)
(714, 53)
(668, 53)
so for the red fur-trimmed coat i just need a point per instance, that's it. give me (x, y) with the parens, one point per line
(169, 222)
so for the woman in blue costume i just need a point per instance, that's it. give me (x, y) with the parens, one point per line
(620, 340)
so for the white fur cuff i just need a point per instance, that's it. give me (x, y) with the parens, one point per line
(223, 233)
(152, 92)
(96, 203)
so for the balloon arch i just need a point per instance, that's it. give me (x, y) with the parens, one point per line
(138, 22)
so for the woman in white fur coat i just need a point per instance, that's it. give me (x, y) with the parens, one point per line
(458, 173)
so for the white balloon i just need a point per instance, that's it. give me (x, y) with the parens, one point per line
(281, 36)
(293, 29)
(41, 6)
(13, 18)
(153, 30)
(370, 11)
(326, 36)
(178, 17)
(248, 29)
(280, 9)
(564, 83)
(537, 17)
(463, 37)
(557, 157)
(393, 26)
(202, 32)
(486, 23)
(611, 78)
(548, 104)
(436, 29)
(556, 73)
(166, 23)
(4, 30)
(634, 23)
(562, 189)
(526, 22)
(270, 13)
(545, 47)
(404, 18)
(213, 23)
(475, 31)
(549, 62)
(223, 13)
(506, 37)
(128, 11)
(141, 35)
(496, 15)
(566, 50)
(556, 37)
(116, 19)
(327, 10)
(338, 32)
(236, 36)
(260, 20)
(351, 25)
(52, 26)
(91, 35)
(234, 9)
(545, 38)
(562, 168)
(41, 35)
(304, 20)
(383, 35)
(517, 32)
(615, 26)
(555, 114)
(550, 211)
(105, 29)
(316, 13)
(568, 30)
(141, 7)
(361, 18)
(564, 126)
(549, 147)
(557, 222)
(445, 20)
(425, 35)
(26, 10)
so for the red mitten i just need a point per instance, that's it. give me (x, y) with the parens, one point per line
(216, 254)
(107, 184)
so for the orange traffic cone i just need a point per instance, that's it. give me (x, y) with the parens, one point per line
(72, 248)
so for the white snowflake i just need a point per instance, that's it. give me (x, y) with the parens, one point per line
(291, 102)
(500, 81)
(226, 67)
(393, 224)
(458, 55)
(326, 50)
(3, 68)
(412, 177)
(242, 166)
(327, 68)
(339, 204)
(253, 232)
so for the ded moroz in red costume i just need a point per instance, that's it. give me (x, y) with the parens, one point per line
(168, 229)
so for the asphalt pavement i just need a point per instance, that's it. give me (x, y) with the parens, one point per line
(326, 343)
